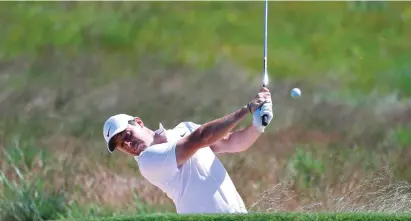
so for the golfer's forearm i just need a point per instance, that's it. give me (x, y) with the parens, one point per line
(239, 140)
(216, 130)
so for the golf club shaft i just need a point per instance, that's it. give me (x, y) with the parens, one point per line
(265, 76)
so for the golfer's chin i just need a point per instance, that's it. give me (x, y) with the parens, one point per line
(132, 151)
(140, 149)
(135, 151)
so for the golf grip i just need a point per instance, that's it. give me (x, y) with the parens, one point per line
(264, 118)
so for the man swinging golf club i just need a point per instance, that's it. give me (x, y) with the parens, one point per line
(182, 161)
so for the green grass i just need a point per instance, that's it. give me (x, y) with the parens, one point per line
(261, 217)
(367, 49)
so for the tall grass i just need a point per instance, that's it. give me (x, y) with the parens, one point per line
(30, 191)
(26, 192)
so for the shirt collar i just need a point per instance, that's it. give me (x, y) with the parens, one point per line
(171, 134)
(160, 129)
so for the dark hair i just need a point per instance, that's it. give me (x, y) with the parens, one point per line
(132, 122)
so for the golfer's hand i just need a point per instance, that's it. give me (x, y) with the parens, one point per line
(262, 97)
(266, 108)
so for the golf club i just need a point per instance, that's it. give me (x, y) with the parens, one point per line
(265, 75)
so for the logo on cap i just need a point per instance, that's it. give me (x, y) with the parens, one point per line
(108, 132)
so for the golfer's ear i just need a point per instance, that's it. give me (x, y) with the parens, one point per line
(139, 121)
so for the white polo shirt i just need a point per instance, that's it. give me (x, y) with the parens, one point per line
(201, 185)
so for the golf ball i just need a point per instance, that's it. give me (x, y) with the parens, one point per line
(295, 92)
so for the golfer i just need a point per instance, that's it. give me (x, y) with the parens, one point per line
(182, 161)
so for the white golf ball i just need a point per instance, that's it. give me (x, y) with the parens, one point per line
(295, 92)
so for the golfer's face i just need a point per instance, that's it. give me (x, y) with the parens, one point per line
(130, 141)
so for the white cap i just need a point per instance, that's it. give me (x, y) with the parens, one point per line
(114, 125)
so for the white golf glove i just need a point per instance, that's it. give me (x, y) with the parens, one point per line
(266, 108)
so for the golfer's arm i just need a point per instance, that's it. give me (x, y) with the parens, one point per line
(237, 141)
(207, 134)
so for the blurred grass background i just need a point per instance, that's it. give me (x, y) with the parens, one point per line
(66, 66)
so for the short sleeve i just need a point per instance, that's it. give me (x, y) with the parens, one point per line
(159, 162)
(191, 126)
